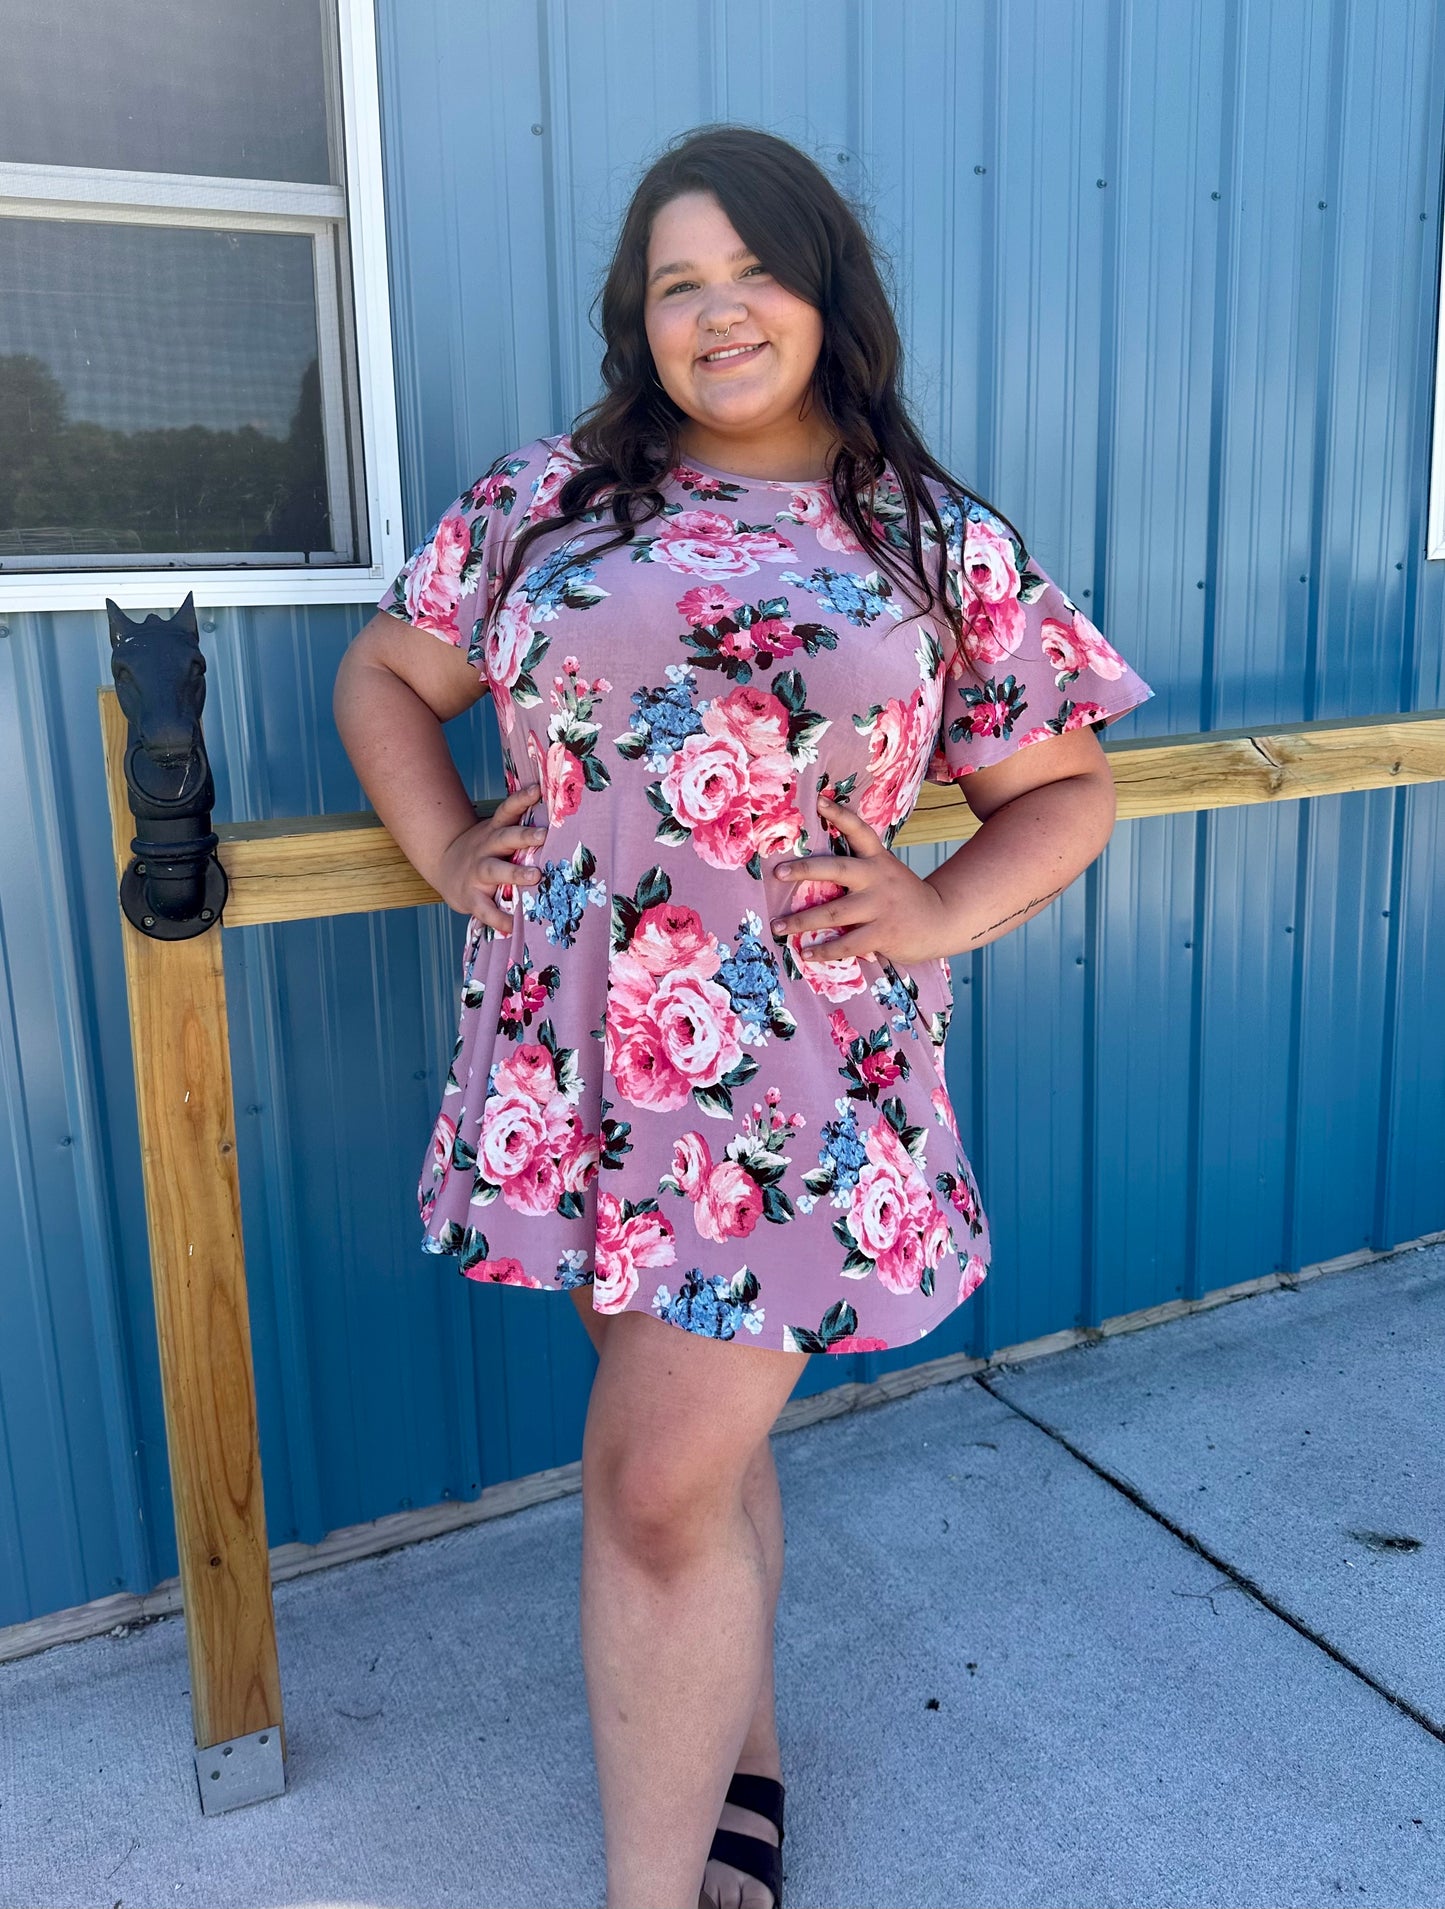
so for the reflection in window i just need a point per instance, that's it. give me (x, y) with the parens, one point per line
(159, 392)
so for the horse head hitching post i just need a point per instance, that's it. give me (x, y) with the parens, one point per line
(174, 886)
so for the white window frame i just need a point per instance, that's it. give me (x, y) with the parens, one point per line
(258, 205)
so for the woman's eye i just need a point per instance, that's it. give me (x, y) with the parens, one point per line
(682, 284)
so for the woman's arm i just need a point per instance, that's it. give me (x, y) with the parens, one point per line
(1047, 813)
(395, 688)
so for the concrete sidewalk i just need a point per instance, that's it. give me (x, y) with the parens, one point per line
(1156, 1621)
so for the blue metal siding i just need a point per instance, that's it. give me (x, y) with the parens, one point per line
(1204, 396)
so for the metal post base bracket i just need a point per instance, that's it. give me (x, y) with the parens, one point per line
(245, 1770)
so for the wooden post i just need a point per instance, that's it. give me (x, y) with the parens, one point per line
(177, 996)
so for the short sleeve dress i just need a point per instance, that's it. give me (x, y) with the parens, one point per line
(649, 1094)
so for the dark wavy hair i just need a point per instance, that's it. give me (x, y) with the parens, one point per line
(787, 211)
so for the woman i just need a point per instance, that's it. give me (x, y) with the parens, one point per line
(729, 623)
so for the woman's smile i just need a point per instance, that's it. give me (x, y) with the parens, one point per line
(729, 355)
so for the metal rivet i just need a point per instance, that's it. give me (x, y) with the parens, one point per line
(536, 129)
(980, 168)
(1322, 203)
(207, 913)
(147, 921)
(140, 868)
(1101, 182)
(1214, 195)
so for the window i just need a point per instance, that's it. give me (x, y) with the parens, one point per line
(195, 353)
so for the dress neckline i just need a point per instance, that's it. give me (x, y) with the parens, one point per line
(687, 463)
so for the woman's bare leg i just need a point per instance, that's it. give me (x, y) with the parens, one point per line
(762, 1500)
(723, 1885)
(675, 1592)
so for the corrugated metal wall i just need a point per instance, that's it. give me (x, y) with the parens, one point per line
(1167, 275)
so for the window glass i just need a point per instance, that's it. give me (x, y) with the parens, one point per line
(236, 90)
(159, 393)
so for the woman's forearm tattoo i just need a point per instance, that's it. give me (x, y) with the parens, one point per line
(1035, 903)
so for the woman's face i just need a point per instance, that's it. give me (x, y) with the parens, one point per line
(702, 281)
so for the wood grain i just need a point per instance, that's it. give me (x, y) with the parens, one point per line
(180, 1043)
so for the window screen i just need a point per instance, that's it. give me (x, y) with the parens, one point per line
(177, 365)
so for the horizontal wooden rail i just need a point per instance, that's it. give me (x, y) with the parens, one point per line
(309, 866)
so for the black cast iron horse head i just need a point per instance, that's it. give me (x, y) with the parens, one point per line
(174, 887)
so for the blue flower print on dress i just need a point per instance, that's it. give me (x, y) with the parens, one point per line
(861, 599)
(754, 986)
(566, 888)
(663, 721)
(562, 581)
(714, 1307)
(840, 1158)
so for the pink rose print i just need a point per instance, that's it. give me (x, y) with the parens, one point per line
(691, 1164)
(580, 1159)
(443, 1134)
(890, 1211)
(626, 1242)
(699, 1031)
(563, 783)
(974, 1271)
(990, 635)
(899, 745)
(434, 586)
(778, 831)
(560, 466)
(759, 722)
(670, 939)
(944, 1114)
(500, 1272)
(854, 1342)
(989, 562)
(729, 1204)
(643, 1075)
(706, 777)
(705, 543)
(836, 979)
(508, 639)
(1103, 659)
(512, 1131)
(1062, 648)
(527, 1071)
(1082, 714)
(709, 603)
(819, 511)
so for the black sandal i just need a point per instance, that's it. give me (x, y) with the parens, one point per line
(751, 1854)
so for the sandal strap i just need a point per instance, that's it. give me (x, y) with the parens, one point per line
(762, 1861)
(761, 1793)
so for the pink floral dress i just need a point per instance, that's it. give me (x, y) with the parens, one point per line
(649, 1094)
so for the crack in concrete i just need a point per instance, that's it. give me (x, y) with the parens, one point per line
(1239, 1579)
